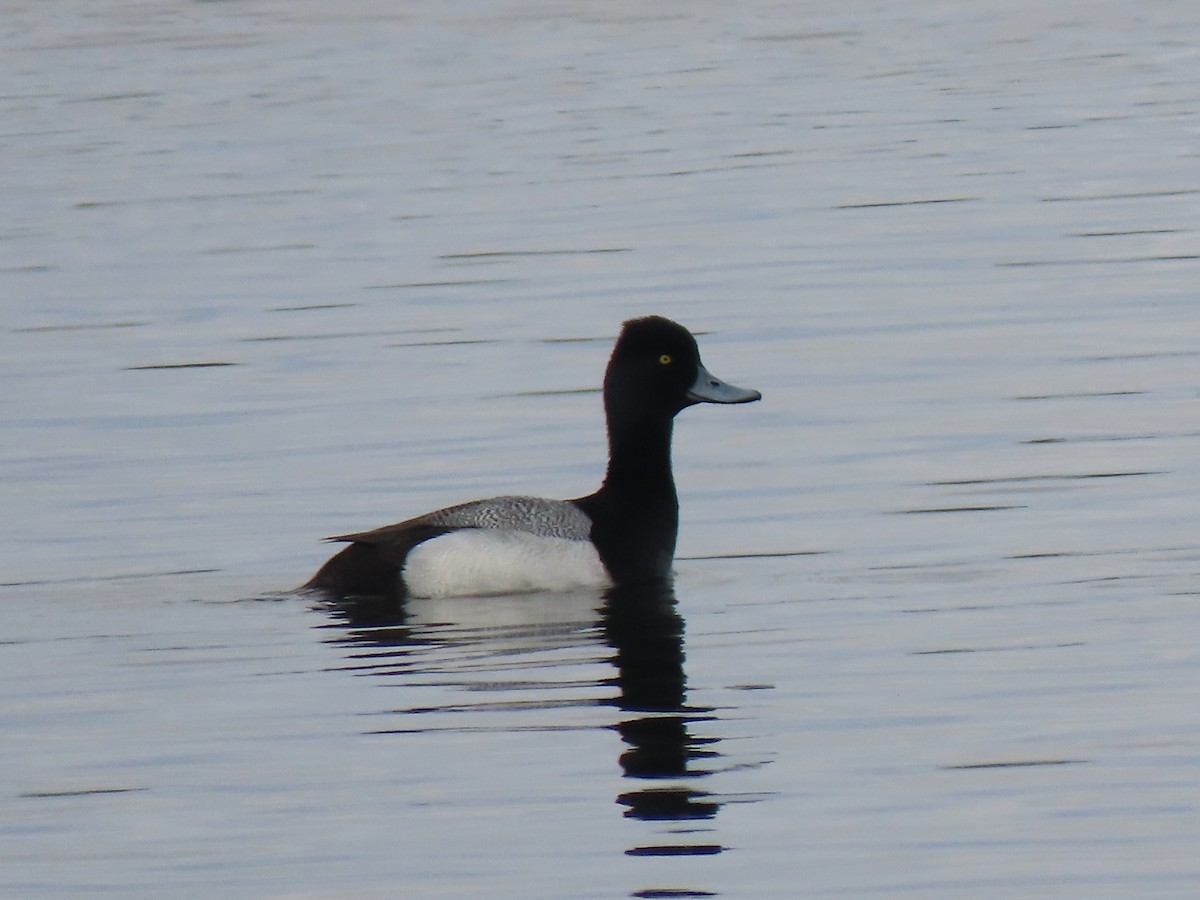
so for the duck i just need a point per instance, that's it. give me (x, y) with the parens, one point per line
(622, 534)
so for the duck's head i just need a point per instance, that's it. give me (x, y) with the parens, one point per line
(655, 368)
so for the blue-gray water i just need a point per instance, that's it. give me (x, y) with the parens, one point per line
(270, 271)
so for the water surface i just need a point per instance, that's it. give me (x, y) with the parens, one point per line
(274, 271)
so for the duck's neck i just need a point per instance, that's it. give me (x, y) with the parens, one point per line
(639, 458)
(635, 514)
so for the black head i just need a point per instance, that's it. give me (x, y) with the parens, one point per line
(655, 371)
(655, 368)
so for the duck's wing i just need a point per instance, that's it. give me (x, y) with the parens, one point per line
(533, 515)
(372, 562)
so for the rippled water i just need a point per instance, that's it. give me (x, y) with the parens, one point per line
(272, 271)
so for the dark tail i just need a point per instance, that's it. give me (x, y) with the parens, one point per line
(358, 570)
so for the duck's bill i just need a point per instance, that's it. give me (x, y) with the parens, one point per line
(711, 389)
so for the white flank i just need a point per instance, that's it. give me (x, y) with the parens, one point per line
(478, 562)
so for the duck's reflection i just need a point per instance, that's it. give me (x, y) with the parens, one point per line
(390, 636)
(642, 624)
(367, 611)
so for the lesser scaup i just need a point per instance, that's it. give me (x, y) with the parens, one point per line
(624, 533)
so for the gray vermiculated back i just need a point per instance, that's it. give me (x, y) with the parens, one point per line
(535, 515)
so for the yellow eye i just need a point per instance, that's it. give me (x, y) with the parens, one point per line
(665, 359)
